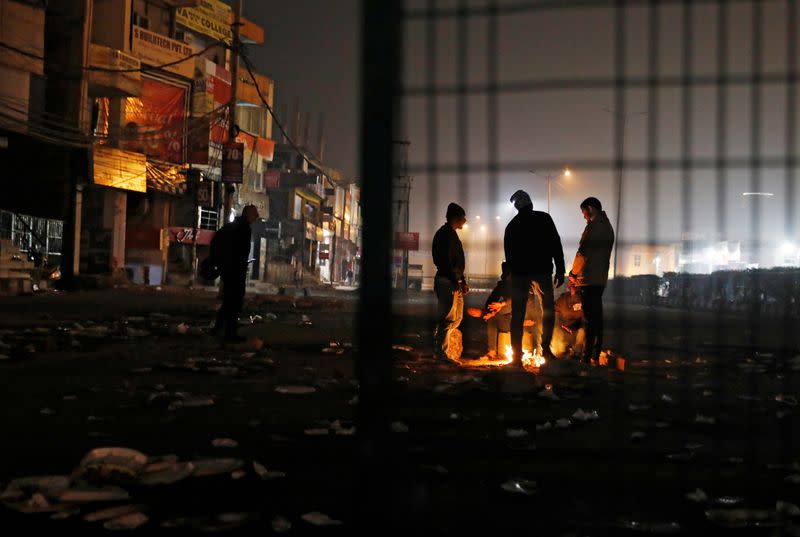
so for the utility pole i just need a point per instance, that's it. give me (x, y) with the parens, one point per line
(230, 189)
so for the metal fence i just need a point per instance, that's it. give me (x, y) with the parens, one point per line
(680, 115)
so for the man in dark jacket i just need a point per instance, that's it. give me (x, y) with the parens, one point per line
(532, 244)
(230, 250)
(449, 285)
(589, 273)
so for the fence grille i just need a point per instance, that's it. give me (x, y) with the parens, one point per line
(681, 117)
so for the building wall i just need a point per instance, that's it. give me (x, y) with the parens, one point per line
(113, 27)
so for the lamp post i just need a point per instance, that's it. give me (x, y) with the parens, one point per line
(549, 177)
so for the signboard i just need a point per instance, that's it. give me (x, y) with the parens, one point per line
(119, 169)
(205, 194)
(233, 162)
(324, 255)
(406, 241)
(156, 49)
(211, 17)
(155, 122)
(272, 179)
(246, 90)
(185, 235)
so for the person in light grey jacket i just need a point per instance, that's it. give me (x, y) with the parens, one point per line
(589, 274)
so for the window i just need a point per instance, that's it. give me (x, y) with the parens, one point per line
(257, 181)
(208, 219)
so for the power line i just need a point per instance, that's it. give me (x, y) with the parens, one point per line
(299, 151)
(141, 69)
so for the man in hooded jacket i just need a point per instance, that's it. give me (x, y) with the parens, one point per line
(532, 246)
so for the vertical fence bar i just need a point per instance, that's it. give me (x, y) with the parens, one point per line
(492, 113)
(432, 127)
(721, 367)
(462, 108)
(789, 315)
(687, 227)
(380, 76)
(755, 225)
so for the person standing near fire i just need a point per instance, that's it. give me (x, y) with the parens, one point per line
(532, 245)
(497, 313)
(449, 285)
(589, 274)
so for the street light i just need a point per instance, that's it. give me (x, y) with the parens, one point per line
(549, 177)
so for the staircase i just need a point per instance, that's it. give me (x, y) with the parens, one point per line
(15, 270)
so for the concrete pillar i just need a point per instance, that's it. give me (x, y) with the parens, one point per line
(114, 218)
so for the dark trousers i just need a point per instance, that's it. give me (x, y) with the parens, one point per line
(232, 302)
(520, 289)
(592, 304)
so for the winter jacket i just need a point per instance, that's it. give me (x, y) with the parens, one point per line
(594, 252)
(532, 244)
(230, 248)
(448, 254)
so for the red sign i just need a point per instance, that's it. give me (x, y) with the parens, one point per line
(155, 123)
(142, 238)
(324, 255)
(185, 235)
(233, 162)
(406, 241)
(272, 179)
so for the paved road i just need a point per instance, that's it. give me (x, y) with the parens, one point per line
(695, 408)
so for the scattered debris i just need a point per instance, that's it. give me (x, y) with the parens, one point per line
(319, 431)
(212, 467)
(320, 519)
(339, 429)
(295, 389)
(224, 443)
(657, 528)
(563, 423)
(93, 495)
(126, 522)
(111, 512)
(638, 436)
(698, 496)
(519, 486)
(580, 415)
(266, 474)
(305, 321)
(544, 426)
(548, 393)
(280, 524)
(399, 427)
(666, 398)
(516, 433)
(403, 348)
(112, 464)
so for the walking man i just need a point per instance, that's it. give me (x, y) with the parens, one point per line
(532, 245)
(230, 250)
(449, 284)
(589, 273)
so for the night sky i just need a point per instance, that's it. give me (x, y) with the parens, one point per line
(312, 53)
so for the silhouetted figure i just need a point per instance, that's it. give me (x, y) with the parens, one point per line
(589, 273)
(497, 313)
(230, 252)
(449, 284)
(532, 244)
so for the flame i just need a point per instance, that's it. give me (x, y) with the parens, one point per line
(530, 359)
